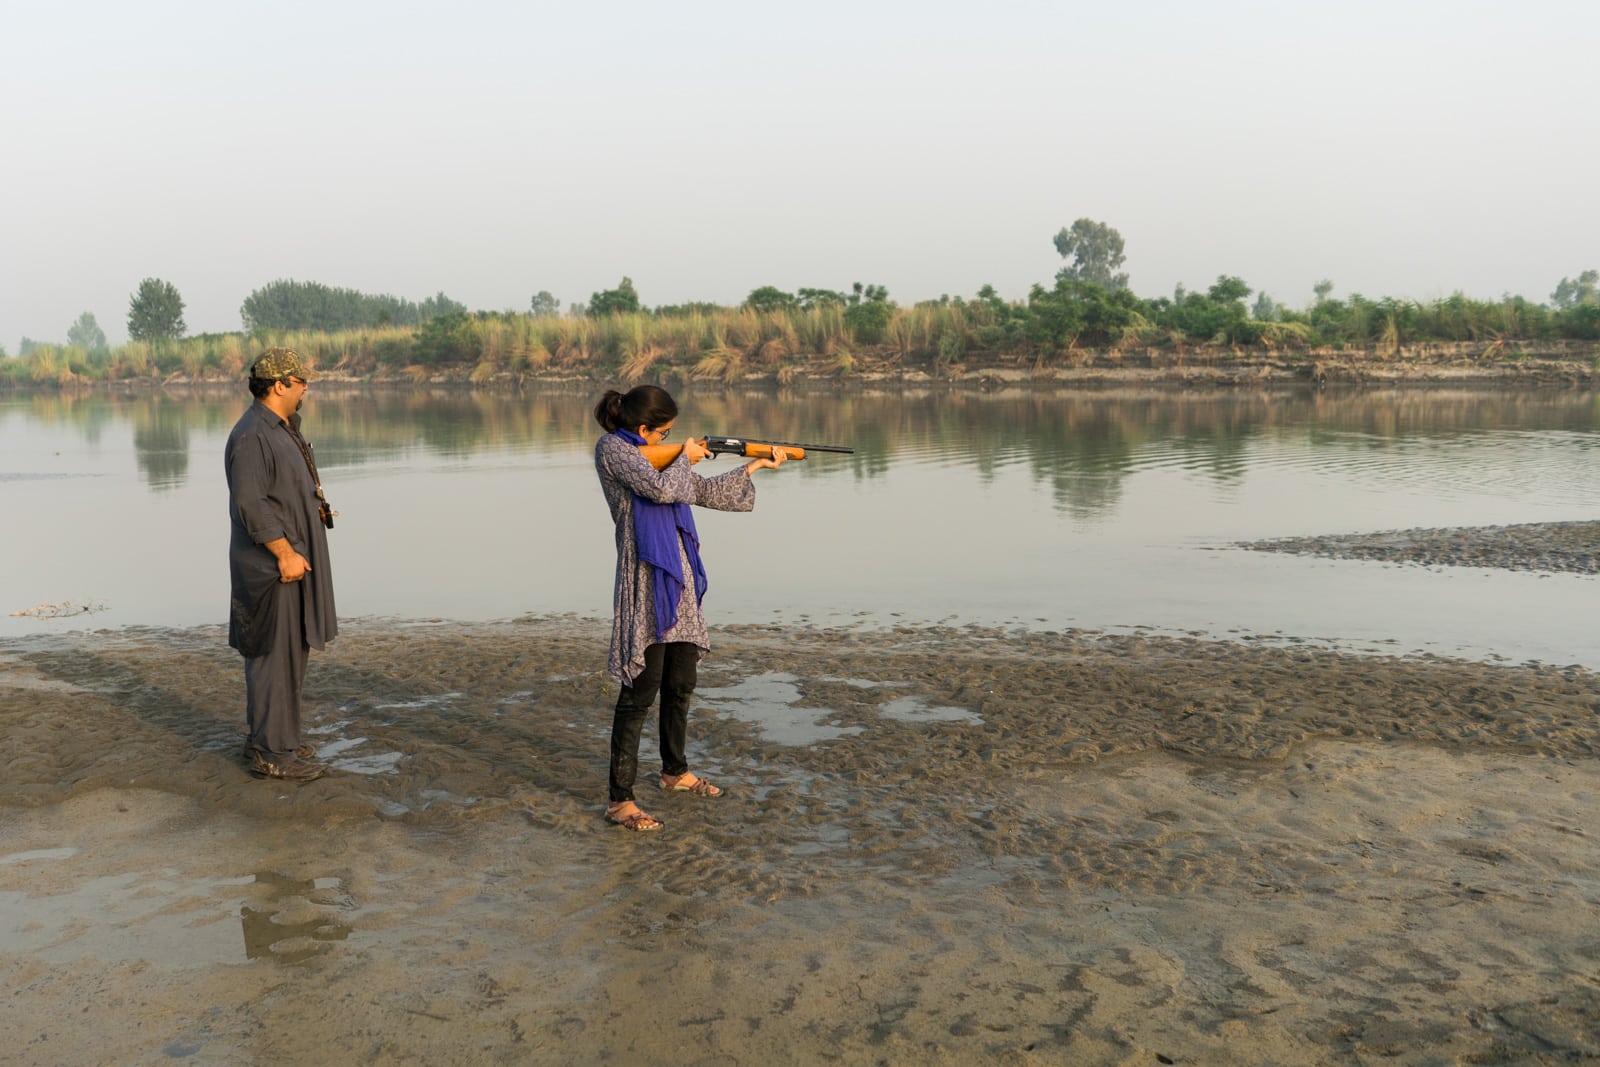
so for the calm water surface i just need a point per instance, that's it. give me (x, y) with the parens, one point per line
(1044, 510)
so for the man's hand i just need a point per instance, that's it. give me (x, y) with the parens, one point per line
(292, 566)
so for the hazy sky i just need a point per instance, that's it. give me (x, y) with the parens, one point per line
(1408, 148)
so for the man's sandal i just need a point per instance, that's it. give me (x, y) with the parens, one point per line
(689, 782)
(635, 819)
(304, 751)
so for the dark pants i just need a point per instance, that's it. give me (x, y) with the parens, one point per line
(272, 683)
(670, 670)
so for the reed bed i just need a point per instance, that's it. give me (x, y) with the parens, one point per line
(729, 344)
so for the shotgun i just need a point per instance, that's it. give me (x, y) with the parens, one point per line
(661, 455)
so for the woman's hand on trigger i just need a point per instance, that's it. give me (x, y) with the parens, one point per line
(695, 448)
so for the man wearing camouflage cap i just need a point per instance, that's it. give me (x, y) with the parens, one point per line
(282, 583)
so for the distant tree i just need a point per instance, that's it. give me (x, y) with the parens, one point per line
(867, 294)
(1228, 289)
(1076, 312)
(1096, 252)
(1266, 309)
(155, 312)
(868, 312)
(818, 298)
(453, 337)
(29, 344)
(1322, 289)
(1582, 321)
(992, 303)
(1586, 290)
(1217, 315)
(291, 305)
(693, 307)
(770, 298)
(623, 299)
(437, 305)
(995, 322)
(544, 305)
(1329, 318)
(86, 333)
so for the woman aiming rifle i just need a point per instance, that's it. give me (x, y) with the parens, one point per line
(658, 633)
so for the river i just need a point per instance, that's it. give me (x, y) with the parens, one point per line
(1107, 510)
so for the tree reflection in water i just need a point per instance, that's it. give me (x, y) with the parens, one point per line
(1082, 443)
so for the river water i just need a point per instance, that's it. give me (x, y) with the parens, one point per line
(1103, 510)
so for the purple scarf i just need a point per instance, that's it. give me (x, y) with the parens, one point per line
(657, 529)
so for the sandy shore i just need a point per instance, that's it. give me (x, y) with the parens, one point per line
(938, 846)
(1547, 547)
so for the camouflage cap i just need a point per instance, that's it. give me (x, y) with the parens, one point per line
(277, 363)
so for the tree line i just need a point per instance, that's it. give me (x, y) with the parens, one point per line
(1087, 306)
(155, 313)
(291, 305)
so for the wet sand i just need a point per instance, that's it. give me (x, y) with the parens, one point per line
(938, 846)
(1547, 547)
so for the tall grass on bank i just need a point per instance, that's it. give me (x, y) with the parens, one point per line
(730, 344)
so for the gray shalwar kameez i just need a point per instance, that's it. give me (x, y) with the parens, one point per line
(273, 623)
(623, 472)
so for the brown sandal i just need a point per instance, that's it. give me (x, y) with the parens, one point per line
(689, 782)
(636, 820)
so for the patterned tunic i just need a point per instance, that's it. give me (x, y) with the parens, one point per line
(623, 472)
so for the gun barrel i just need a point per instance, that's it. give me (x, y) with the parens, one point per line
(815, 448)
(737, 445)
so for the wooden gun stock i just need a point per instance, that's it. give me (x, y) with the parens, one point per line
(660, 456)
